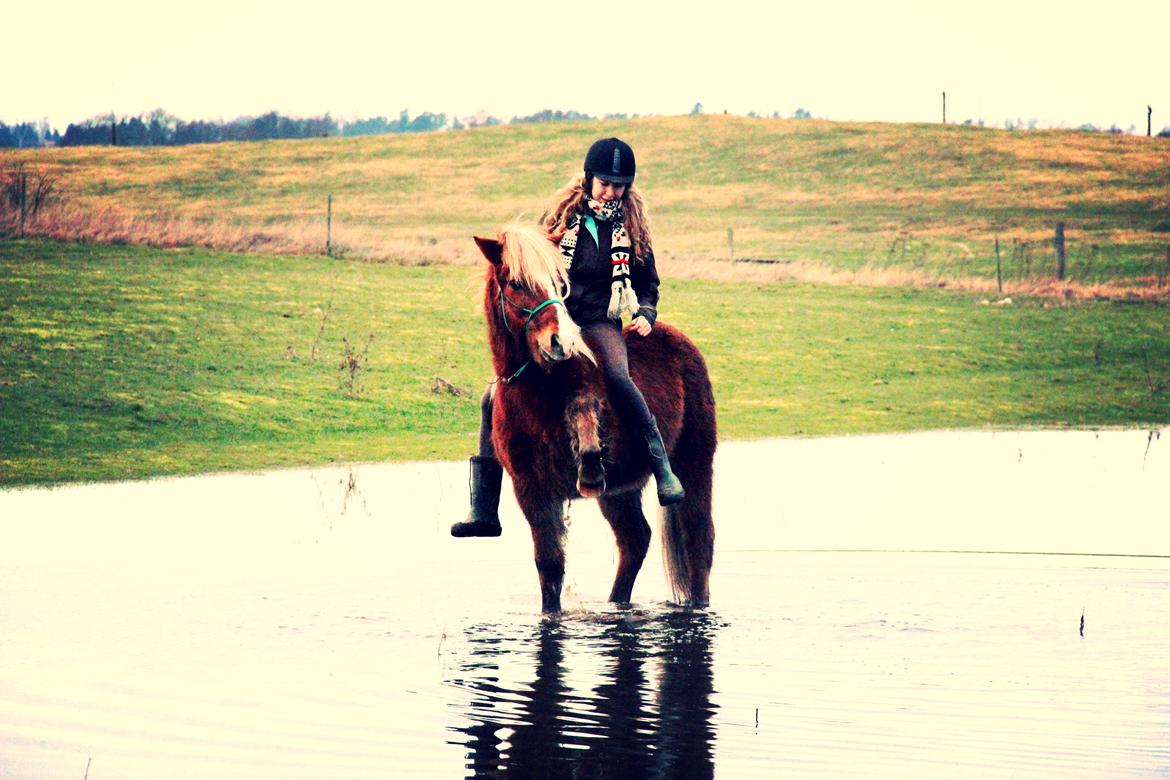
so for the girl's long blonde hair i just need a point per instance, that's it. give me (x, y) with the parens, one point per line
(568, 200)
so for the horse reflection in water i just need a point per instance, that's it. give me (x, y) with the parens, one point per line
(623, 728)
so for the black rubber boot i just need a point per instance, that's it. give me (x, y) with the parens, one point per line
(484, 519)
(670, 490)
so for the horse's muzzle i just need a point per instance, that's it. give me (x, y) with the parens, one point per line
(556, 350)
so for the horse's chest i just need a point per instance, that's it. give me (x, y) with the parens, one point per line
(533, 438)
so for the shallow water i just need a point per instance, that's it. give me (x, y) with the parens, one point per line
(322, 623)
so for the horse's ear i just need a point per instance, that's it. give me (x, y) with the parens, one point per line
(492, 249)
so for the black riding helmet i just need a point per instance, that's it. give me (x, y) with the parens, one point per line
(612, 159)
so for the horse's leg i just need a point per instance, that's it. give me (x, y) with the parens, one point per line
(583, 416)
(632, 532)
(546, 520)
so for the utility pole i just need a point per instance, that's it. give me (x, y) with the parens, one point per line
(1149, 120)
(944, 107)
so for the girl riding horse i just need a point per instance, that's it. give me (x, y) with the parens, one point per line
(599, 221)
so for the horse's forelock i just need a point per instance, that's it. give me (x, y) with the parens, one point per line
(533, 259)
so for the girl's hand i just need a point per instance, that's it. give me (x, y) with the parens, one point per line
(639, 325)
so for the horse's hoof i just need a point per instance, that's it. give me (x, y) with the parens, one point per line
(670, 491)
(590, 490)
(590, 475)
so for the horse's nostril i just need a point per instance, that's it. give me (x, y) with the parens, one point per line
(557, 350)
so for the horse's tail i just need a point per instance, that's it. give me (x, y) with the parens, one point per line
(688, 531)
(687, 539)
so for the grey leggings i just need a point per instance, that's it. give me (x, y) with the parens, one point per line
(610, 347)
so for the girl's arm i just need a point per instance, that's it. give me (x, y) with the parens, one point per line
(644, 278)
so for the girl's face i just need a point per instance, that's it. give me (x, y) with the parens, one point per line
(606, 190)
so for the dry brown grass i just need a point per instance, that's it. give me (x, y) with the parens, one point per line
(110, 226)
(1144, 288)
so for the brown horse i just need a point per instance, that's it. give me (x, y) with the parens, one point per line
(556, 434)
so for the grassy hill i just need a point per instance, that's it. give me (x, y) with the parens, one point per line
(136, 361)
(837, 201)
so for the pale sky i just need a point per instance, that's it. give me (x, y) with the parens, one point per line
(1050, 61)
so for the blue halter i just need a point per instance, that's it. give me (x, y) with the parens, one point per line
(531, 313)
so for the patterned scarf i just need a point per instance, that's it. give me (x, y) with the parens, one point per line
(622, 299)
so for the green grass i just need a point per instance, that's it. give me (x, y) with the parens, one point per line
(129, 362)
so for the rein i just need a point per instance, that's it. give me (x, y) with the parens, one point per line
(531, 313)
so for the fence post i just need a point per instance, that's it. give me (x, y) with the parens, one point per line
(731, 244)
(329, 227)
(23, 200)
(1149, 120)
(1059, 243)
(998, 268)
(944, 107)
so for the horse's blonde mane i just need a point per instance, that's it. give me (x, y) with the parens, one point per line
(533, 260)
(536, 262)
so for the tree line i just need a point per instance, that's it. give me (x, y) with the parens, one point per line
(28, 134)
(158, 128)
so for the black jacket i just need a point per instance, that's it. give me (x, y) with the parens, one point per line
(591, 277)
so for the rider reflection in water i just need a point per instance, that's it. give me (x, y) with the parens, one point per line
(599, 221)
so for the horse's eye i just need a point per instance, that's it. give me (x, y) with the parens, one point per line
(515, 285)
